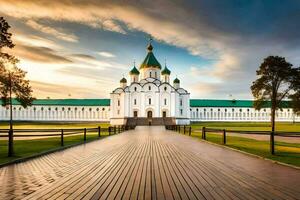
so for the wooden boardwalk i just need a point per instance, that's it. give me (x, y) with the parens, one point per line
(148, 163)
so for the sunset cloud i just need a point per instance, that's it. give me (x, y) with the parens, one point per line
(56, 32)
(227, 41)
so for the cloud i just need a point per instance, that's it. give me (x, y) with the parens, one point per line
(39, 54)
(235, 36)
(106, 54)
(58, 33)
(44, 90)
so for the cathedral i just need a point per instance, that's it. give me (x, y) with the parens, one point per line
(150, 97)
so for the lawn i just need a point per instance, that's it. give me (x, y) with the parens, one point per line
(26, 148)
(285, 152)
(249, 126)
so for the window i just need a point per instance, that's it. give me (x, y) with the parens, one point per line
(155, 74)
(181, 112)
(165, 102)
(75, 108)
(180, 102)
(118, 112)
(69, 109)
(134, 101)
(103, 109)
(82, 109)
(149, 101)
(240, 110)
(90, 109)
(225, 110)
(135, 89)
(149, 87)
(118, 102)
(165, 88)
(97, 109)
(150, 74)
(49, 109)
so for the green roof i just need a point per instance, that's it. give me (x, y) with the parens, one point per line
(176, 80)
(228, 103)
(150, 60)
(106, 102)
(165, 71)
(69, 102)
(134, 71)
(123, 80)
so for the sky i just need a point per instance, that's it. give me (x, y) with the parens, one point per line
(82, 48)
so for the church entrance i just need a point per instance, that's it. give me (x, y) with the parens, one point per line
(135, 114)
(164, 114)
(149, 116)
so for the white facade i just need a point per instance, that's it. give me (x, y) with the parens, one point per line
(240, 114)
(57, 113)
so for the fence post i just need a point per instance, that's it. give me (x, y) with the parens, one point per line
(190, 131)
(99, 131)
(203, 133)
(62, 137)
(84, 134)
(224, 136)
(184, 129)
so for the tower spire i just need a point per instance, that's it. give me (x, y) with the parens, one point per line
(150, 47)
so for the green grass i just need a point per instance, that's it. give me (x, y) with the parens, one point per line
(26, 148)
(288, 153)
(255, 126)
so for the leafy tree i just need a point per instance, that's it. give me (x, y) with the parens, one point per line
(296, 87)
(12, 79)
(274, 83)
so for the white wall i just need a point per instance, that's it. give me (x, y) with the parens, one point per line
(57, 113)
(236, 114)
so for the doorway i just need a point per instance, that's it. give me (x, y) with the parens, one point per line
(164, 114)
(149, 116)
(135, 114)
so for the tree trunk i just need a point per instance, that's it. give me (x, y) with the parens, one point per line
(10, 132)
(272, 142)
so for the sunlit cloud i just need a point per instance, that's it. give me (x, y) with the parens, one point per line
(56, 32)
(106, 54)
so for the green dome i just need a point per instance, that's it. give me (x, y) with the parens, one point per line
(134, 71)
(176, 80)
(150, 60)
(123, 80)
(165, 71)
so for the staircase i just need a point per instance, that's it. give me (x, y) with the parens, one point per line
(155, 121)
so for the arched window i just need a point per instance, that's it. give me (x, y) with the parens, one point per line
(165, 88)
(69, 109)
(155, 74)
(103, 109)
(149, 101)
(61, 109)
(90, 109)
(149, 87)
(150, 74)
(82, 109)
(165, 101)
(134, 101)
(118, 102)
(135, 89)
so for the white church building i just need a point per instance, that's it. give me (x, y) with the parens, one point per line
(150, 97)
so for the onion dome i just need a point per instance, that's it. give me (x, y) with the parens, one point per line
(123, 80)
(176, 80)
(165, 71)
(134, 71)
(150, 61)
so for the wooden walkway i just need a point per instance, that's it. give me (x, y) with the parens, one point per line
(148, 163)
